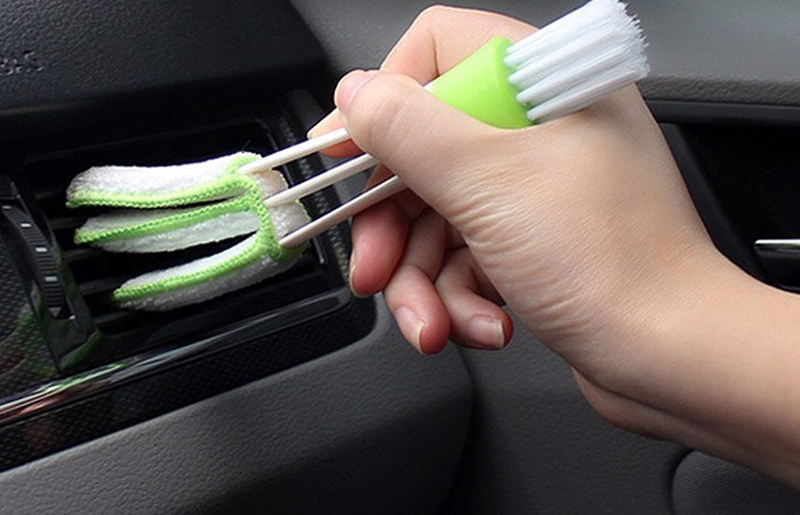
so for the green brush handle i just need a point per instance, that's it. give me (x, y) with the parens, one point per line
(479, 86)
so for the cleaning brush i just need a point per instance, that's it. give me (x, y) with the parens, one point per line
(564, 67)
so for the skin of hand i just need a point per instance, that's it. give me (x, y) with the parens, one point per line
(584, 227)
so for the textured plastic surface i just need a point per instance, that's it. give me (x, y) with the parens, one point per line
(700, 50)
(479, 86)
(711, 486)
(73, 50)
(116, 63)
(537, 447)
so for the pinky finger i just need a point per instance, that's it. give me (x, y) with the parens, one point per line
(476, 321)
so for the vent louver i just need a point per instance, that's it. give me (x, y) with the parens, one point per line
(121, 333)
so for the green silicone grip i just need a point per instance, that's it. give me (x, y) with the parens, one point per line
(479, 86)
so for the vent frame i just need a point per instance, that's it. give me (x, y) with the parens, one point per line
(118, 334)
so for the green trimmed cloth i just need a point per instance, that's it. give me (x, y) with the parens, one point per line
(168, 208)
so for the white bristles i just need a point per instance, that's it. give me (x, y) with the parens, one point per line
(554, 84)
(567, 57)
(562, 30)
(577, 59)
(584, 94)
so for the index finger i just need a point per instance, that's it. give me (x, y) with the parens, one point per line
(438, 39)
(442, 37)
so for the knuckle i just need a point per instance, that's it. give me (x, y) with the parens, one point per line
(433, 13)
(379, 124)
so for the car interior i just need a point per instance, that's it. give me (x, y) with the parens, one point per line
(292, 395)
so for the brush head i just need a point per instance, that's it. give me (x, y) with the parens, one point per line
(577, 59)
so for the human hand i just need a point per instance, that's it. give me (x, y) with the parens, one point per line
(555, 219)
(583, 226)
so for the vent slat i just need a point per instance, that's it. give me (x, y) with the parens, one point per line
(96, 273)
(115, 318)
(49, 193)
(101, 285)
(60, 223)
(81, 253)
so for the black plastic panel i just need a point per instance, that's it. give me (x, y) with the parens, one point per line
(89, 59)
(154, 394)
(374, 428)
(754, 171)
(712, 486)
(741, 166)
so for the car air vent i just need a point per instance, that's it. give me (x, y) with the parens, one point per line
(117, 333)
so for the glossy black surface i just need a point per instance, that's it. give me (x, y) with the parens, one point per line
(24, 360)
(51, 428)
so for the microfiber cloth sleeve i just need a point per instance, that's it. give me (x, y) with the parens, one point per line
(159, 186)
(164, 230)
(166, 216)
(243, 264)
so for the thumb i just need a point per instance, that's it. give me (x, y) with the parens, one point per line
(430, 145)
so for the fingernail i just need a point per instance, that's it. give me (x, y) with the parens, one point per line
(349, 86)
(312, 132)
(353, 264)
(410, 325)
(487, 330)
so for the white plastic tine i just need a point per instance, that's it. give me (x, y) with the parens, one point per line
(555, 84)
(322, 180)
(296, 151)
(785, 245)
(585, 94)
(357, 204)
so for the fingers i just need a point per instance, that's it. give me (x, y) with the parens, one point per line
(411, 295)
(475, 320)
(379, 239)
(432, 147)
(442, 37)
(431, 302)
(439, 38)
(378, 236)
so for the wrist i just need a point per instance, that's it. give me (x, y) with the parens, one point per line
(718, 370)
(651, 321)
(686, 329)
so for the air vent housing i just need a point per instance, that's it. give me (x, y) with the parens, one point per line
(118, 333)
